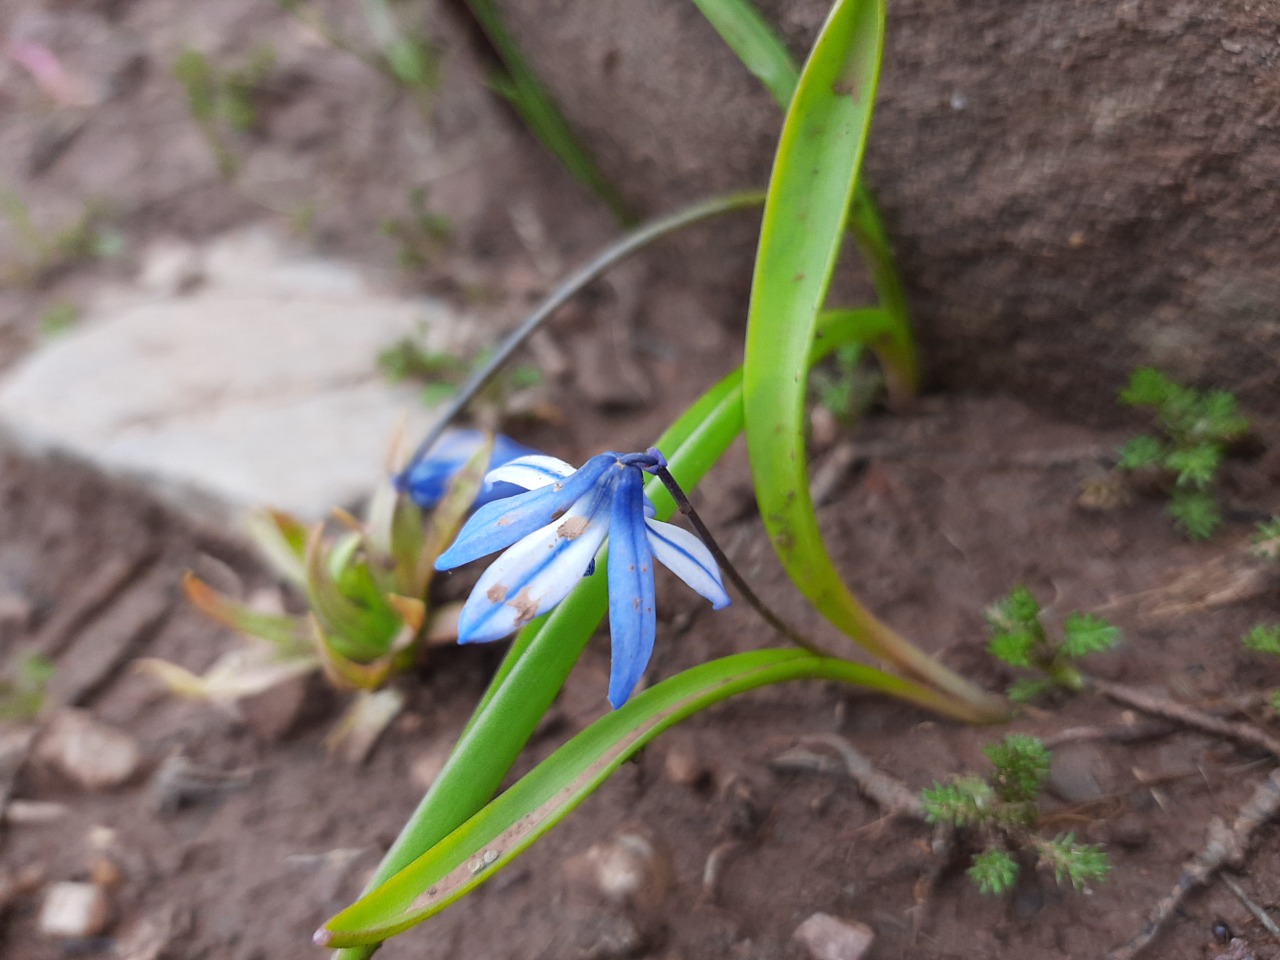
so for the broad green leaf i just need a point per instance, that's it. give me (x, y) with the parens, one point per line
(503, 829)
(810, 190)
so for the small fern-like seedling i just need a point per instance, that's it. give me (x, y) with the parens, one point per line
(1019, 639)
(1195, 428)
(1001, 812)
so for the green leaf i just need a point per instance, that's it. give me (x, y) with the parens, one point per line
(1142, 451)
(353, 630)
(1195, 466)
(964, 801)
(285, 633)
(1222, 419)
(757, 46)
(1147, 387)
(282, 539)
(1195, 513)
(765, 55)
(1017, 649)
(1084, 633)
(1018, 612)
(1024, 691)
(1264, 638)
(994, 871)
(809, 193)
(505, 828)
(1022, 763)
(1079, 863)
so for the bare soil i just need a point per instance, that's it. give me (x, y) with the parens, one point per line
(941, 511)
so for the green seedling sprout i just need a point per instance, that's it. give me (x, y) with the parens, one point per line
(48, 253)
(23, 685)
(58, 319)
(1018, 638)
(1001, 812)
(422, 236)
(223, 103)
(1195, 428)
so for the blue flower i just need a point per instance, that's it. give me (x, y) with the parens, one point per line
(426, 480)
(551, 536)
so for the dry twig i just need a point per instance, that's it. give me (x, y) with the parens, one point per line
(1224, 847)
(1244, 733)
(889, 793)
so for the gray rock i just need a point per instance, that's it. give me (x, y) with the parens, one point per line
(260, 387)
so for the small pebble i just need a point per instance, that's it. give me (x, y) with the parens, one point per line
(73, 910)
(1077, 773)
(830, 938)
(1232, 46)
(683, 766)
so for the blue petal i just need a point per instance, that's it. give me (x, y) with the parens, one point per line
(689, 559)
(426, 480)
(538, 572)
(498, 525)
(632, 622)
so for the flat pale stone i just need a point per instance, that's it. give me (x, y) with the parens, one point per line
(258, 388)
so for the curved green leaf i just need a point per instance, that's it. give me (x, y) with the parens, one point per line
(763, 53)
(505, 828)
(810, 190)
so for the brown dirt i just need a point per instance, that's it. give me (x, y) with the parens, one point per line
(946, 508)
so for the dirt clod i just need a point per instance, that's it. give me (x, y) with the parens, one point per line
(88, 752)
(830, 938)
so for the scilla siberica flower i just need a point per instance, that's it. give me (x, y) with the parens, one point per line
(426, 480)
(551, 535)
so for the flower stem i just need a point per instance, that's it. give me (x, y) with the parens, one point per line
(704, 534)
(617, 251)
